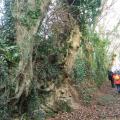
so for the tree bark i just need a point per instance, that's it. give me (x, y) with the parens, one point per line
(25, 42)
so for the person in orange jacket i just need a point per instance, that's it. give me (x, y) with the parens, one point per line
(115, 72)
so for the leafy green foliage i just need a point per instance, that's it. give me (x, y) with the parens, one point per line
(34, 110)
(48, 59)
(85, 11)
(80, 70)
(63, 106)
(9, 57)
(11, 54)
(29, 16)
(8, 32)
(100, 63)
(4, 93)
(92, 64)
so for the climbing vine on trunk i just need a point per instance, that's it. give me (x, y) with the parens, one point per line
(28, 16)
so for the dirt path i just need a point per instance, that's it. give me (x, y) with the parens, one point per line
(106, 106)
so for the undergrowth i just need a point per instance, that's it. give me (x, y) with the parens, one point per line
(63, 106)
(91, 65)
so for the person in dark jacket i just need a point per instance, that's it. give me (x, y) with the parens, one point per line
(110, 74)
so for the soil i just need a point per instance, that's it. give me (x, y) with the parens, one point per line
(105, 106)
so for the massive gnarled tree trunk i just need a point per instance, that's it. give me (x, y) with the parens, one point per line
(29, 15)
(74, 42)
